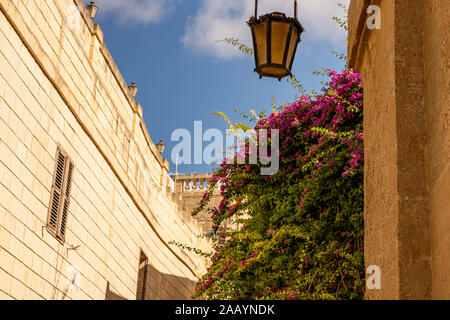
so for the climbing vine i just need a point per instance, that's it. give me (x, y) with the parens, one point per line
(297, 234)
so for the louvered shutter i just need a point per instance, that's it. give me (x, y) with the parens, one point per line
(60, 195)
(56, 192)
(65, 207)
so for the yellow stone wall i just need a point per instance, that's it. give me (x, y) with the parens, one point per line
(405, 70)
(60, 86)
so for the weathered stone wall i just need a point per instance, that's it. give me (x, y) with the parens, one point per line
(436, 46)
(60, 86)
(405, 69)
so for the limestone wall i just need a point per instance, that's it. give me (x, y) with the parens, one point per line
(436, 54)
(189, 189)
(405, 70)
(60, 86)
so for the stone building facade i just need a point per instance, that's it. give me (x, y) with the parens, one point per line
(70, 126)
(405, 66)
(189, 189)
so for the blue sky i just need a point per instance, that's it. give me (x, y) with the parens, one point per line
(168, 48)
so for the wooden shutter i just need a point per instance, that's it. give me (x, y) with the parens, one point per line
(56, 192)
(65, 207)
(60, 195)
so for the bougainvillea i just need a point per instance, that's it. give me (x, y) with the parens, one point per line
(297, 234)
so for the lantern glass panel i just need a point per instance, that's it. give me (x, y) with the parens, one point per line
(279, 35)
(261, 42)
(292, 46)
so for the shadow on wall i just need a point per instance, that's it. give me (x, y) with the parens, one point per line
(158, 286)
(162, 286)
(110, 295)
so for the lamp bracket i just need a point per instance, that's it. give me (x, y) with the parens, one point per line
(295, 9)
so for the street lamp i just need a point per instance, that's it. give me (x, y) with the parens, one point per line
(275, 40)
(92, 8)
(160, 146)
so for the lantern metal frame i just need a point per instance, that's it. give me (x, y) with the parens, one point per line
(160, 146)
(92, 8)
(133, 89)
(268, 19)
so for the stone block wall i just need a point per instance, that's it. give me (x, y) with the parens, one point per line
(189, 189)
(59, 86)
(405, 69)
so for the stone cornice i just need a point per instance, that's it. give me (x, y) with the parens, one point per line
(135, 106)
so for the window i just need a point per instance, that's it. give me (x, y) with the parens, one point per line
(142, 278)
(60, 195)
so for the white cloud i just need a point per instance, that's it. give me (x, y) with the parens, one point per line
(218, 19)
(136, 11)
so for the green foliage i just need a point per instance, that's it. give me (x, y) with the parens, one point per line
(343, 23)
(300, 233)
(191, 249)
(339, 55)
(235, 42)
